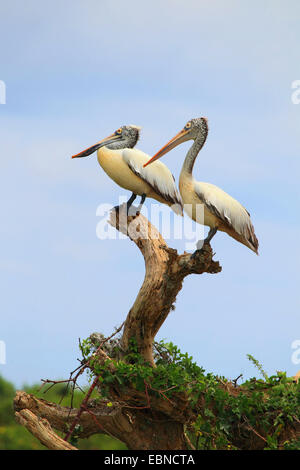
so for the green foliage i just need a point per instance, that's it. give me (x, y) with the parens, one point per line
(257, 406)
(175, 370)
(264, 407)
(258, 365)
(7, 393)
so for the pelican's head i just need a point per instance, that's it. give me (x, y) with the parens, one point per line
(193, 129)
(124, 137)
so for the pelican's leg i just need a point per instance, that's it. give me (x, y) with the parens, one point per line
(128, 203)
(141, 204)
(137, 212)
(211, 234)
(200, 243)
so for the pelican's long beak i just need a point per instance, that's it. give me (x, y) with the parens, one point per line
(108, 140)
(179, 138)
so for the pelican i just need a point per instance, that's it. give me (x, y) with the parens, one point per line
(221, 211)
(125, 166)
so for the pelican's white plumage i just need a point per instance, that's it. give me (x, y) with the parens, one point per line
(229, 215)
(160, 179)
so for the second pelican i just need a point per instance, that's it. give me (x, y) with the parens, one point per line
(221, 211)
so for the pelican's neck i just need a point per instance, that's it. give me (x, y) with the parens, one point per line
(191, 156)
(127, 143)
(118, 145)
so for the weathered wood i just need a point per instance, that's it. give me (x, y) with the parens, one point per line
(165, 272)
(129, 425)
(42, 430)
(103, 419)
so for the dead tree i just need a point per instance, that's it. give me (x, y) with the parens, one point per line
(141, 419)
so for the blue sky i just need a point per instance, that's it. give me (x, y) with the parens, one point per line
(77, 70)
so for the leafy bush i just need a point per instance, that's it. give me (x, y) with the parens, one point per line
(262, 407)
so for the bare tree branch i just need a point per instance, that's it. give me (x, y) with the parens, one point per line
(124, 423)
(61, 417)
(165, 272)
(42, 430)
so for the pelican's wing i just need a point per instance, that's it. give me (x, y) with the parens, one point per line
(157, 175)
(229, 210)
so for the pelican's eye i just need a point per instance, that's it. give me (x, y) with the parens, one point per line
(118, 132)
(188, 126)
